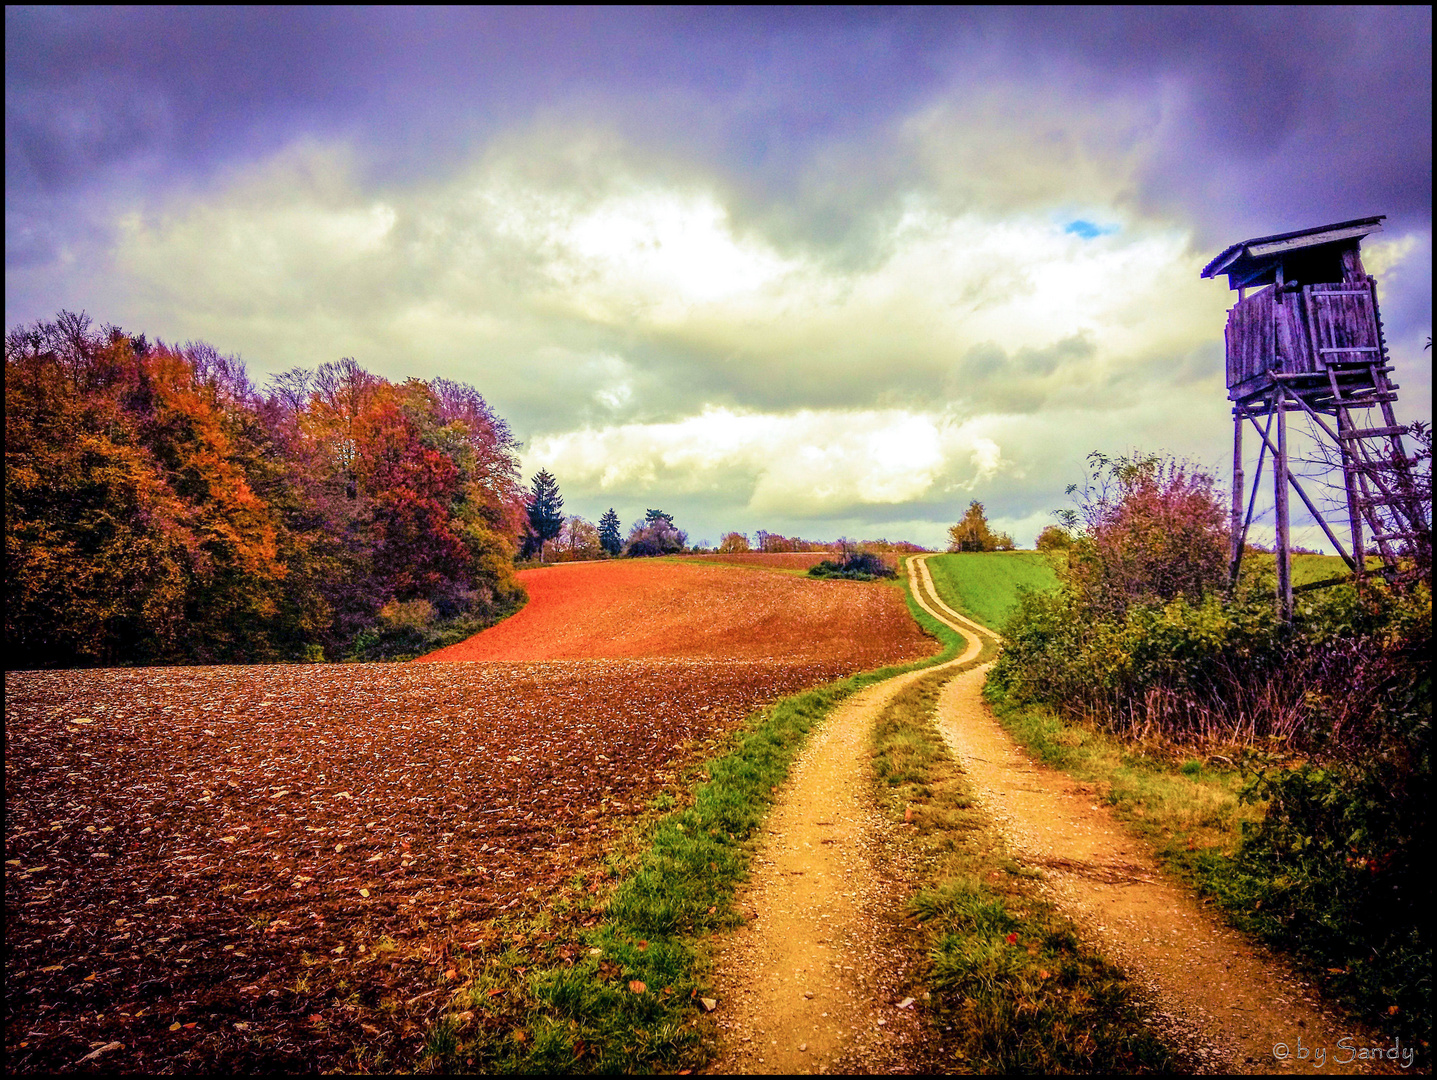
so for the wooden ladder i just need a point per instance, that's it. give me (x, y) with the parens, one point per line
(1382, 497)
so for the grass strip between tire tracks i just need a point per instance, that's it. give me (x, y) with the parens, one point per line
(1011, 986)
(629, 999)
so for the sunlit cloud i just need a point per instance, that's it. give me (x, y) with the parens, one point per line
(806, 464)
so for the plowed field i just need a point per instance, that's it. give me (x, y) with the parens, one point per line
(291, 867)
(264, 867)
(634, 608)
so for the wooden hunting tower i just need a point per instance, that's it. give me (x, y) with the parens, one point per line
(1309, 339)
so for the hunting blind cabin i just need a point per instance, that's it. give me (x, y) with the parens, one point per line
(1305, 337)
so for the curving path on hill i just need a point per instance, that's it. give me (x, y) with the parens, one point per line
(812, 981)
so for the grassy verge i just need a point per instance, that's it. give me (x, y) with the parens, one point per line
(1186, 807)
(610, 975)
(1011, 986)
(984, 585)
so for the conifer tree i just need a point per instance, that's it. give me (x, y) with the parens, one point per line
(610, 538)
(546, 508)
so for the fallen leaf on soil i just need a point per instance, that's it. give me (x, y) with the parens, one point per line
(93, 1054)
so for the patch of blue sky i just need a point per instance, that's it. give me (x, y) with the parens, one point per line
(1087, 229)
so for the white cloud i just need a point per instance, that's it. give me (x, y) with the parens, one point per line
(808, 463)
(1383, 255)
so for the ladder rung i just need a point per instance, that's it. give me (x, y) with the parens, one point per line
(1373, 433)
(1353, 348)
(1360, 402)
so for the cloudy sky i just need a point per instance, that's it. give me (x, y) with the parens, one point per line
(815, 272)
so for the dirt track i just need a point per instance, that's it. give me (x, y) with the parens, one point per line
(813, 982)
(1227, 1001)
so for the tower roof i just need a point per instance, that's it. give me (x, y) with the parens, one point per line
(1243, 262)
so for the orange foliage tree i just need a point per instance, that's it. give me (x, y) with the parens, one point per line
(159, 508)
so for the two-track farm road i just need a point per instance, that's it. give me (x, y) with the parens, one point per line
(1228, 1001)
(809, 983)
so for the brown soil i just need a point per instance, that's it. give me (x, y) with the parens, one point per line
(636, 608)
(288, 862)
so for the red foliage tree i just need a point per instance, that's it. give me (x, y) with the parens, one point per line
(1152, 529)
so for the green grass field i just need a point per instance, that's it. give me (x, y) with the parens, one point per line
(984, 584)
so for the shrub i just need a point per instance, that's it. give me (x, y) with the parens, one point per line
(855, 566)
(1152, 530)
(1335, 871)
(1054, 538)
(1140, 640)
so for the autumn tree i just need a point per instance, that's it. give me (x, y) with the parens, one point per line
(1054, 538)
(973, 533)
(610, 538)
(159, 508)
(733, 543)
(578, 539)
(655, 535)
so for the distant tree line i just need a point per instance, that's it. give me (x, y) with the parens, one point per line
(776, 543)
(161, 508)
(551, 537)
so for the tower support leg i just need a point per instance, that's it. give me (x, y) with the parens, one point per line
(1354, 493)
(1234, 563)
(1284, 539)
